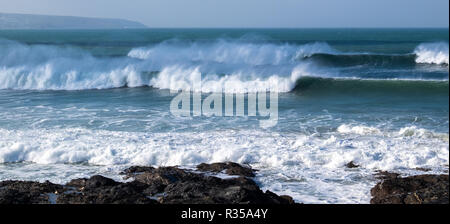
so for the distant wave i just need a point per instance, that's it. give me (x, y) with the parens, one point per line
(426, 53)
(229, 52)
(221, 65)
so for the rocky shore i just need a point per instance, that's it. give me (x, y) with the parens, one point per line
(217, 183)
(164, 185)
(420, 189)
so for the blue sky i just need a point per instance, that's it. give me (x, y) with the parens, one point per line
(249, 13)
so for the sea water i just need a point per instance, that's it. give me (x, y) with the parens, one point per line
(74, 103)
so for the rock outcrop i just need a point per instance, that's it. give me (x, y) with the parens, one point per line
(421, 189)
(173, 185)
(229, 168)
(164, 185)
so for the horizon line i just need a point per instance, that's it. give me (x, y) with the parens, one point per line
(163, 27)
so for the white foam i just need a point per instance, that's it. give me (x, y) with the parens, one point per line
(62, 68)
(357, 129)
(46, 77)
(220, 64)
(316, 159)
(432, 53)
(114, 147)
(180, 78)
(228, 52)
(241, 65)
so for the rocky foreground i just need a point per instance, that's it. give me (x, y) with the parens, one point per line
(165, 185)
(421, 189)
(173, 185)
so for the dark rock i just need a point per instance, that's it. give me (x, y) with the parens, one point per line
(423, 169)
(178, 186)
(118, 193)
(27, 192)
(383, 175)
(163, 175)
(229, 168)
(137, 169)
(421, 189)
(168, 185)
(351, 165)
(288, 199)
(93, 182)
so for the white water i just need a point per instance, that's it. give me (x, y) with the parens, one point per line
(247, 67)
(308, 164)
(179, 78)
(229, 52)
(432, 53)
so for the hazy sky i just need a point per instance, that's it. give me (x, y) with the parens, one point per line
(249, 13)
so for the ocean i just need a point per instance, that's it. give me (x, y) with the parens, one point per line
(74, 103)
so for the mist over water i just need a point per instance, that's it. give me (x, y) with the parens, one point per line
(85, 103)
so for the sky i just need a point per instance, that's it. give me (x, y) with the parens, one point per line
(248, 13)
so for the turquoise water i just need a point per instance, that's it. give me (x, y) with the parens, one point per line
(77, 103)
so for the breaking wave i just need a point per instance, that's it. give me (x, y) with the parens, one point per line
(432, 53)
(229, 52)
(221, 65)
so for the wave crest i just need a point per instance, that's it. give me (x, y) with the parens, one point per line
(228, 52)
(221, 65)
(432, 53)
(191, 79)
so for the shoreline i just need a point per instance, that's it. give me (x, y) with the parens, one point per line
(163, 185)
(216, 183)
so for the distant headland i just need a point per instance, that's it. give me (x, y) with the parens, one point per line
(28, 21)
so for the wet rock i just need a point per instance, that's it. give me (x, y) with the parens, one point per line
(229, 168)
(351, 165)
(106, 191)
(421, 189)
(178, 186)
(423, 169)
(383, 175)
(137, 169)
(288, 199)
(27, 192)
(223, 191)
(168, 185)
(93, 182)
(162, 175)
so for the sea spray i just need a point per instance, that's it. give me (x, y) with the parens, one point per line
(432, 53)
(248, 67)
